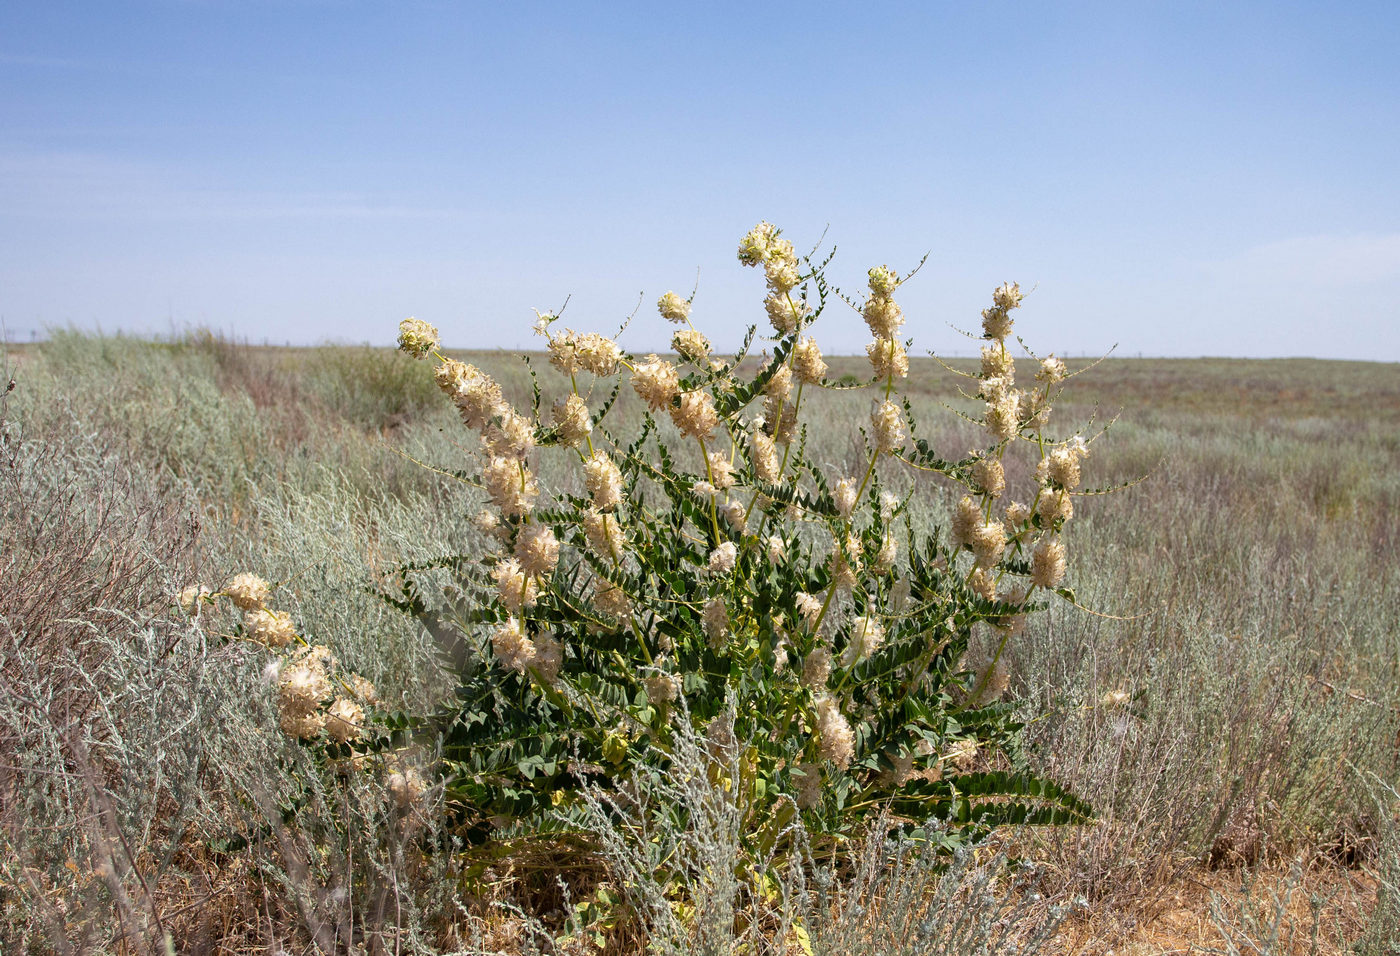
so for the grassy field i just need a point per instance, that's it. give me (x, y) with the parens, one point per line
(1244, 595)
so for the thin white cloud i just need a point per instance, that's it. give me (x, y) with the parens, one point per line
(79, 186)
(1325, 260)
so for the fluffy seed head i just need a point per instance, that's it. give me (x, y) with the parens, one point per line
(486, 522)
(988, 543)
(883, 315)
(997, 362)
(509, 435)
(603, 480)
(269, 628)
(613, 602)
(782, 271)
(867, 635)
(656, 382)
(844, 569)
(345, 720)
(722, 558)
(302, 726)
(1052, 370)
(1017, 514)
(1054, 505)
(662, 688)
(779, 383)
(1048, 562)
(537, 549)
(192, 597)
(715, 622)
(807, 361)
(990, 476)
(755, 247)
(883, 281)
(247, 591)
(888, 359)
(1007, 296)
(363, 690)
(816, 669)
(983, 583)
(406, 787)
(996, 324)
(599, 354)
(844, 494)
(889, 552)
(785, 312)
(836, 742)
(721, 470)
(604, 535)
(571, 421)
(807, 780)
(514, 587)
(734, 514)
(673, 308)
(1062, 465)
(303, 686)
(510, 484)
(887, 423)
(963, 753)
(1003, 415)
(476, 395)
(695, 416)
(513, 648)
(691, 345)
(966, 517)
(563, 351)
(549, 657)
(775, 548)
(764, 452)
(1116, 698)
(417, 337)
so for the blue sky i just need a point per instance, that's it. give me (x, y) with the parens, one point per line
(1176, 178)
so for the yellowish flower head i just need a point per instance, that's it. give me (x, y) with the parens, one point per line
(888, 359)
(883, 315)
(417, 337)
(786, 312)
(1048, 561)
(537, 549)
(571, 421)
(673, 308)
(883, 281)
(604, 534)
(345, 721)
(691, 346)
(269, 628)
(887, 424)
(513, 648)
(807, 361)
(695, 415)
(835, 741)
(603, 480)
(989, 476)
(248, 591)
(657, 382)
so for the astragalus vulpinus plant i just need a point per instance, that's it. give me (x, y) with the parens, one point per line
(715, 561)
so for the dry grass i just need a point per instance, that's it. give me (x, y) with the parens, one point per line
(1254, 572)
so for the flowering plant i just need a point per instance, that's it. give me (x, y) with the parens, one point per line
(713, 572)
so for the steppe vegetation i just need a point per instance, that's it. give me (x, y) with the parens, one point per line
(1229, 702)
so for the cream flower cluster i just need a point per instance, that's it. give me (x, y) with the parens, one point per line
(417, 337)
